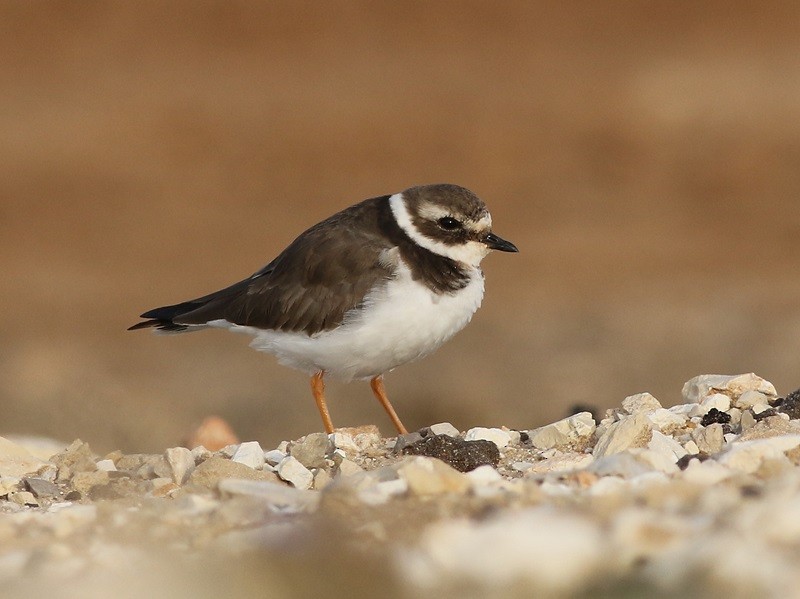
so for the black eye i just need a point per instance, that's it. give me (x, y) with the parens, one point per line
(448, 223)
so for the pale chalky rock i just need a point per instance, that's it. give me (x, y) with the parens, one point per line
(292, 471)
(716, 401)
(274, 456)
(312, 450)
(625, 464)
(551, 551)
(250, 454)
(634, 431)
(641, 402)
(707, 473)
(429, 476)
(696, 389)
(666, 446)
(568, 431)
(497, 436)
(209, 473)
(344, 441)
(109, 465)
(444, 428)
(747, 456)
(709, 439)
(751, 399)
(666, 421)
(181, 463)
(382, 491)
(349, 468)
(566, 462)
(278, 496)
(15, 460)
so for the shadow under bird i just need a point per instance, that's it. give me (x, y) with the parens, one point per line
(381, 283)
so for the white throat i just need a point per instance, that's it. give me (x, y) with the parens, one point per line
(470, 253)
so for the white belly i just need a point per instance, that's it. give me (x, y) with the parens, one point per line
(402, 322)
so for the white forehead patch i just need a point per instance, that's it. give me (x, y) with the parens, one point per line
(471, 252)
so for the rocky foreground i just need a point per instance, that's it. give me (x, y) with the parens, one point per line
(699, 499)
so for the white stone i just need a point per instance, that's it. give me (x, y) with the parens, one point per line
(667, 446)
(732, 385)
(483, 476)
(747, 456)
(250, 454)
(106, 465)
(429, 476)
(201, 454)
(279, 497)
(747, 421)
(274, 456)
(751, 398)
(665, 420)
(576, 428)
(382, 491)
(709, 439)
(344, 441)
(181, 463)
(557, 552)
(567, 462)
(497, 436)
(760, 408)
(655, 459)
(625, 464)
(634, 431)
(683, 409)
(715, 400)
(349, 468)
(691, 448)
(641, 402)
(292, 471)
(708, 472)
(15, 460)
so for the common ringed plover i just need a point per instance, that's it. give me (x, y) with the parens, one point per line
(379, 284)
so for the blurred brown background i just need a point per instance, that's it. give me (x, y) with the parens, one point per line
(644, 156)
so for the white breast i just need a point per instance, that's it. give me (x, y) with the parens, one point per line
(401, 321)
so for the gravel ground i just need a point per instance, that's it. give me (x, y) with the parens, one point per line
(699, 499)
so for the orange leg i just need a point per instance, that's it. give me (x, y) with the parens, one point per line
(380, 394)
(318, 389)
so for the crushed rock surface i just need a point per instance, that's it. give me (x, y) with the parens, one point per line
(698, 499)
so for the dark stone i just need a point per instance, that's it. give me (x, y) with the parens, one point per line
(683, 463)
(791, 405)
(73, 496)
(524, 437)
(461, 455)
(765, 414)
(715, 416)
(41, 487)
(406, 440)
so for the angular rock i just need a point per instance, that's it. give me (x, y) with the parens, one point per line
(292, 471)
(575, 429)
(751, 398)
(461, 454)
(312, 451)
(349, 468)
(696, 389)
(666, 421)
(274, 456)
(281, 498)
(344, 441)
(444, 428)
(429, 476)
(709, 439)
(106, 465)
(634, 431)
(497, 436)
(181, 463)
(41, 487)
(563, 463)
(250, 454)
(15, 460)
(791, 405)
(213, 470)
(747, 456)
(641, 402)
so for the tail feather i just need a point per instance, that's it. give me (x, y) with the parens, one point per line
(163, 318)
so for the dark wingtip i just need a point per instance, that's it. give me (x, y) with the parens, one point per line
(161, 325)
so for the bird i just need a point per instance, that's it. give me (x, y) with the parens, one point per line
(379, 284)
